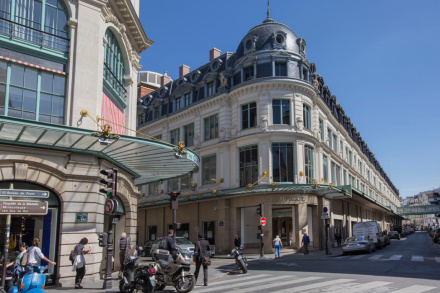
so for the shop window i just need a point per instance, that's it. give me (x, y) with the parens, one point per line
(209, 170)
(309, 164)
(248, 165)
(27, 88)
(307, 117)
(282, 162)
(209, 232)
(152, 233)
(175, 136)
(281, 111)
(249, 115)
(188, 134)
(211, 127)
(280, 69)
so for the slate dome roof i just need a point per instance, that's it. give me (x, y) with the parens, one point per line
(265, 36)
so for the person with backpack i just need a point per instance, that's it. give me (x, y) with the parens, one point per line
(18, 264)
(79, 262)
(34, 252)
(201, 252)
(124, 247)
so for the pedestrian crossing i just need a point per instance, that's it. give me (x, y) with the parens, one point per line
(290, 283)
(396, 257)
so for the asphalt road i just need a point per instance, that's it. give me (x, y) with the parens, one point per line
(410, 265)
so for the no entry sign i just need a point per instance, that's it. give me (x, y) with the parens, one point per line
(263, 221)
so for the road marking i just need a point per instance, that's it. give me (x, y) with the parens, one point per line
(358, 256)
(277, 284)
(414, 289)
(376, 256)
(245, 278)
(366, 286)
(241, 284)
(416, 258)
(395, 257)
(437, 259)
(313, 286)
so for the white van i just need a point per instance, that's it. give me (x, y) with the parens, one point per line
(372, 230)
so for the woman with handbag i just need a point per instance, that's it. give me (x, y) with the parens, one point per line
(201, 254)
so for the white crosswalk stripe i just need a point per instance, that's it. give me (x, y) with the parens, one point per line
(313, 286)
(359, 256)
(437, 259)
(414, 289)
(240, 279)
(361, 287)
(417, 258)
(377, 256)
(241, 284)
(279, 284)
(395, 257)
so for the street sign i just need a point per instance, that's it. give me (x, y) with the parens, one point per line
(324, 209)
(110, 206)
(263, 221)
(325, 216)
(23, 207)
(24, 193)
(82, 218)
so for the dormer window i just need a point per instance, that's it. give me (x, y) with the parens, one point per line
(279, 40)
(280, 69)
(249, 73)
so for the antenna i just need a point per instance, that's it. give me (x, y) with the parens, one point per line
(268, 9)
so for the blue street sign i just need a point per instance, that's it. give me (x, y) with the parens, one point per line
(325, 209)
(24, 193)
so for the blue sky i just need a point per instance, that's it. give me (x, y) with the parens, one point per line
(380, 58)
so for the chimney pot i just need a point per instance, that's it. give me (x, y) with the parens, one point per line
(164, 79)
(214, 53)
(183, 70)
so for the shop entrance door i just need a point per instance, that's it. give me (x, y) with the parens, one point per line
(284, 228)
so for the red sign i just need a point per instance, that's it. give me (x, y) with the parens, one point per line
(108, 207)
(263, 221)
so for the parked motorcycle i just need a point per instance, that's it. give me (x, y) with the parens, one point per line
(240, 260)
(32, 283)
(175, 271)
(138, 279)
(140, 251)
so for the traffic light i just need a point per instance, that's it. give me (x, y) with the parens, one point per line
(260, 209)
(102, 237)
(173, 200)
(110, 181)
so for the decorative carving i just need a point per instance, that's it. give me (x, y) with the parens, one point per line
(316, 132)
(265, 123)
(299, 123)
(316, 82)
(21, 170)
(234, 130)
(223, 83)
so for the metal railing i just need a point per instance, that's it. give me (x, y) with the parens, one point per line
(114, 82)
(32, 35)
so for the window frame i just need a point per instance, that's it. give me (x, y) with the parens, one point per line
(282, 104)
(206, 160)
(290, 175)
(251, 121)
(309, 169)
(208, 125)
(188, 141)
(253, 166)
(175, 136)
(307, 116)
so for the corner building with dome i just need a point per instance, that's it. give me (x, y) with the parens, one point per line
(268, 131)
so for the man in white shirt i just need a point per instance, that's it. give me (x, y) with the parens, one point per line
(34, 252)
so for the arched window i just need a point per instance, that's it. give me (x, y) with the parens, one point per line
(42, 22)
(114, 69)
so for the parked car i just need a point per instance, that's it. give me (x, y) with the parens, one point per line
(394, 235)
(360, 243)
(181, 243)
(371, 229)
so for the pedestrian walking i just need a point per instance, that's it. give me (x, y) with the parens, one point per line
(277, 243)
(79, 264)
(237, 241)
(124, 246)
(34, 253)
(201, 250)
(338, 239)
(170, 241)
(305, 240)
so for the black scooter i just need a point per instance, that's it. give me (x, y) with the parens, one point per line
(137, 278)
(240, 260)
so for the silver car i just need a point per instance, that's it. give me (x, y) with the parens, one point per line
(360, 243)
(181, 242)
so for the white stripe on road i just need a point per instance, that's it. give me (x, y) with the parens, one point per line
(416, 258)
(376, 256)
(243, 278)
(437, 259)
(358, 256)
(395, 257)
(241, 284)
(361, 287)
(277, 284)
(414, 289)
(313, 286)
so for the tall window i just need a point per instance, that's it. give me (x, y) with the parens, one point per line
(338, 175)
(330, 137)
(187, 99)
(335, 143)
(280, 69)
(114, 69)
(178, 104)
(49, 30)
(282, 162)
(325, 168)
(210, 89)
(209, 170)
(188, 134)
(248, 165)
(345, 177)
(308, 163)
(350, 158)
(211, 127)
(321, 128)
(31, 94)
(341, 146)
(248, 73)
(186, 182)
(156, 112)
(175, 136)
(281, 111)
(307, 117)
(249, 115)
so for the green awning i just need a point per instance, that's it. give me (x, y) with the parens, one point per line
(147, 160)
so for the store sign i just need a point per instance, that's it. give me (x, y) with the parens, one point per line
(24, 193)
(23, 207)
(82, 218)
(288, 198)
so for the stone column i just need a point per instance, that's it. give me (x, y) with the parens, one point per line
(300, 221)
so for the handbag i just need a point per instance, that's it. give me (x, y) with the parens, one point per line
(206, 260)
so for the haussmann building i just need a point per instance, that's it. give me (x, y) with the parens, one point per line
(268, 131)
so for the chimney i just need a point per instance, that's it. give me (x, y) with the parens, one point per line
(164, 79)
(214, 53)
(183, 70)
